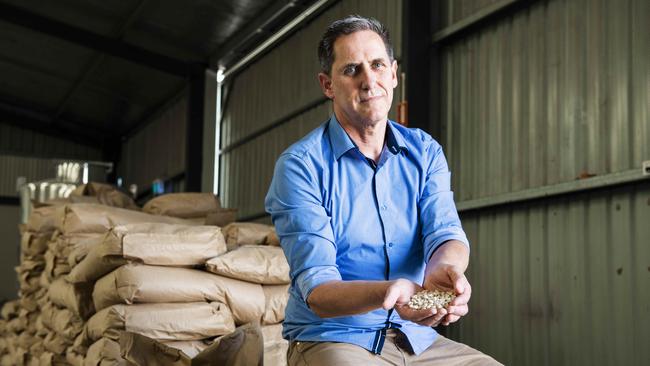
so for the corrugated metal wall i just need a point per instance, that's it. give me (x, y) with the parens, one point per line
(452, 11)
(544, 96)
(547, 95)
(26, 153)
(276, 86)
(33, 169)
(562, 282)
(19, 141)
(158, 150)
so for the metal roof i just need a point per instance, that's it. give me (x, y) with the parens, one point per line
(93, 71)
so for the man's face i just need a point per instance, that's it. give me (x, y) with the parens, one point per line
(362, 78)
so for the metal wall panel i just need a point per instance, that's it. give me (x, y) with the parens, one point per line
(554, 93)
(562, 281)
(33, 169)
(452, 11)
(19, 141)
(246, 172)
(280, 83)
(158, 150)
(548, 95)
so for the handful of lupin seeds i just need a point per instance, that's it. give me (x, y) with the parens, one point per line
(431, 299)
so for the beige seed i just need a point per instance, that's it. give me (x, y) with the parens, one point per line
(431, 299)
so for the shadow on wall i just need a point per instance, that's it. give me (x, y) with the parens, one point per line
(9, 251)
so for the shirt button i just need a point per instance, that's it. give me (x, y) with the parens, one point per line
(390, 245)
(384, 207)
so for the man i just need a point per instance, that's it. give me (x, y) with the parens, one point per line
(366, 218)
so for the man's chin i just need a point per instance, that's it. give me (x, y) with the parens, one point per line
(373, 119)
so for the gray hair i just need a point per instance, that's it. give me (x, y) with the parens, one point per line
(345, 26)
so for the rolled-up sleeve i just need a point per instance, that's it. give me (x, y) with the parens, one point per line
(440, 221)
(294, 201)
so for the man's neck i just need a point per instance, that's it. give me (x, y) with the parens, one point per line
(369, 137)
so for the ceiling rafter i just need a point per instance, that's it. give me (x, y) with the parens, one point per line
(96, 60)
(29, 118)
(104, 44)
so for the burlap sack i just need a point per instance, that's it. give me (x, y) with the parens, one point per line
(30, 302)
(16, 325)
(52, 359)
(275, 347)
(155, 244)
(243, 347)
(105, 194)
(246, 233)
(10, 309)
(75, 297)
(272, 238)
(190, 348)
(221, 217)
(55, 267)
(44, 280)
(265, 265)
(26, 340)
(135, 283)
(56, 344)
(46, 219)
(89, 218)
(104, 352)
(34, 244)
(29, 264)
(181, 322)
(197, 220)
(80, 344)
(62, 321)
(63, 246)
(74, 358)
(276, 298)
(183, 205)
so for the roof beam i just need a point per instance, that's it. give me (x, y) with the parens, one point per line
(97, 60)
(42, 123)
(87, 39)
(254, 29)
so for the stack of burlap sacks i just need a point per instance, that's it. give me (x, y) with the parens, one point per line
(92, 274)
(26, 337)
(248, 278)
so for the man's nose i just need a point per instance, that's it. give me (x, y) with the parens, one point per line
(368, 78)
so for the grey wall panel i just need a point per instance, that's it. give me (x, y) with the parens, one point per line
(563, 281)
(277, 85)
(9, 251)
(246, 172)
(19, 141)
(33, 169)
(548, 95)
(452, 11)
(158, 150)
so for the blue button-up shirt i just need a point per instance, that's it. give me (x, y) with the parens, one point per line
(342, 217)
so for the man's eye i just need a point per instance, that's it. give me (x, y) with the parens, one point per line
(350, 70)
(377, 65)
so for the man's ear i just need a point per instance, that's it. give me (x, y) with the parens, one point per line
(326, 84)
(394, 72)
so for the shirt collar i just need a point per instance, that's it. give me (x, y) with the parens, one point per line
(342, 143)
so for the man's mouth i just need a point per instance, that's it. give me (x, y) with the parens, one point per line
(369, 98)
